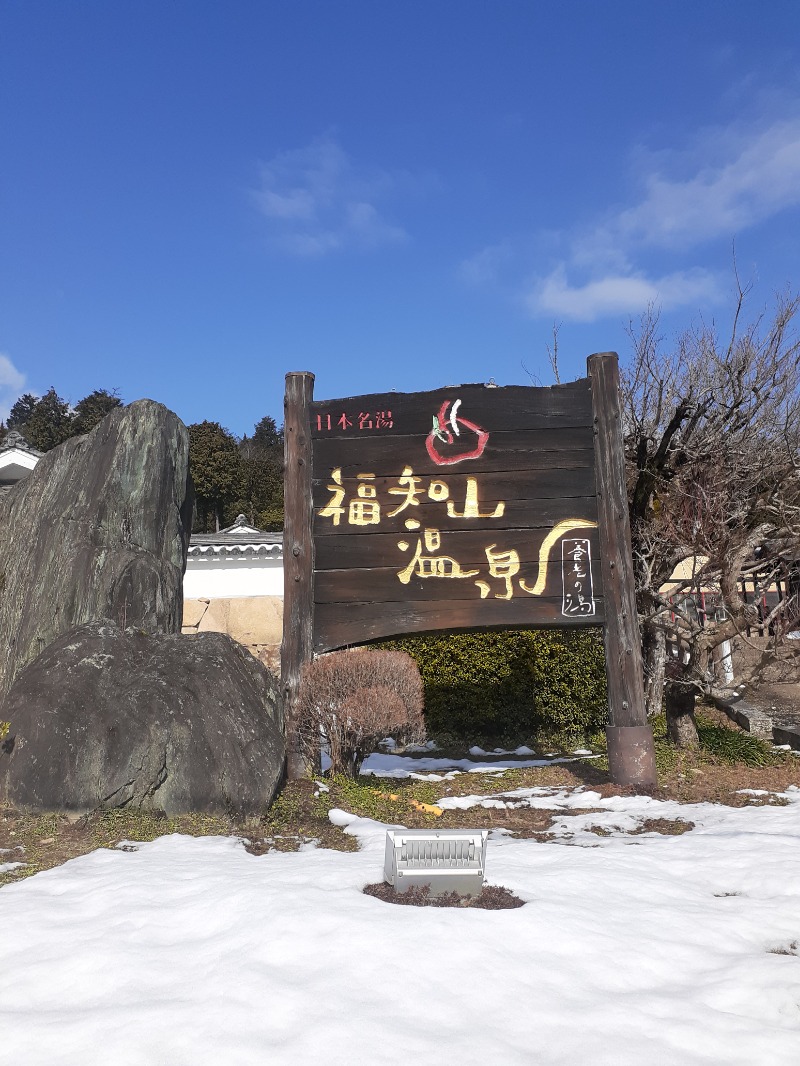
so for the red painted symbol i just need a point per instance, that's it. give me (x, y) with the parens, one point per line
(453, 438)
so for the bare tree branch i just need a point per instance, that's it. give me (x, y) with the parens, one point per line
(712, 438)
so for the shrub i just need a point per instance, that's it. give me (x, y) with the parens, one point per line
(731, 746)
(355, 698)
(546, 685)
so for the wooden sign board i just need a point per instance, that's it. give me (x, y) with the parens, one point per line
(465, 507)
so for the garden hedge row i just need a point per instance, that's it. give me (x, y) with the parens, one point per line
(512, 686)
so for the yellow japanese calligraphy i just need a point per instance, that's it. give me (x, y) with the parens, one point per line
(334, 508)
(430, 565)
(408, 488)
(502, 565)
(554, 535)
(365, 509)
(471, 505)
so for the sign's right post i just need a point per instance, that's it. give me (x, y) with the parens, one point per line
(631, 754)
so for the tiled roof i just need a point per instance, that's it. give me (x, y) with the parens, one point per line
(237, 540)
(14, 441)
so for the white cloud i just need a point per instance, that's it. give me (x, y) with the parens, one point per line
(12, 382)
(724, 182)
(316, 201)
(615, 294)
(485, 266)
(759, 178)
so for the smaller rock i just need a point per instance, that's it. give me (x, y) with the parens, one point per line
(106, 717)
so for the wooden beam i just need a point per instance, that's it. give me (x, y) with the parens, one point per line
(631, 751)
(298, 558)
(335, 627)
(393, 413)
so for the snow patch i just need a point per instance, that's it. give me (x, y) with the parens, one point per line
(192, 950)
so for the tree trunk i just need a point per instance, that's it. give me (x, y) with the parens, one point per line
(681, 724)
(654, 658)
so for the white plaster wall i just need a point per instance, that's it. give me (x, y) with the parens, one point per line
(214, 579)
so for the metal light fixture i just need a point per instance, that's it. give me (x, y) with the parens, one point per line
(444, 860)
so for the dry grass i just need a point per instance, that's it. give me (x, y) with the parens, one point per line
(786, 949)
(43, 840)
(490, 898)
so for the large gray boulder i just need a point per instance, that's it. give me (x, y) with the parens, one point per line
(99, 529)
(106, 717)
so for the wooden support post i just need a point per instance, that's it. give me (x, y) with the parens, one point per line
(631, 754)
(298, 558)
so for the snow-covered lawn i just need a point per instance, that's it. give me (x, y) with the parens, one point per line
(632, 950)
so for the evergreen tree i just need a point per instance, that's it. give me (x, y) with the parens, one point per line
(49, 423)
(216, 468)
(49, 420)
(267, 438)
(261, 493)
(261, 489)
(92, 409)
(21, 412)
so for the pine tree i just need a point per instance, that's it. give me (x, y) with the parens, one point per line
(92, 409)
(50, 422)
(216, 468)
(21, 412)
(261, 490)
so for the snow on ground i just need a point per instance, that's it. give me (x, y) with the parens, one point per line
(631, 950)
(390, 765)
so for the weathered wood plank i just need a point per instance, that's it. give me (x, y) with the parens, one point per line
(526, 499)
(468, 546)
(508, 407)
(298, 566)
(387, 456)
(622, 638)
(530, 450)
(342, 626)
(382, 585)
(517, 514)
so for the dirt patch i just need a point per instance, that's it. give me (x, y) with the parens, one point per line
(725, 784)
(673, 827)
(299, 816)
(786, 949)
(526, 822)
(693, 779)
(778, 692)
(490, 898)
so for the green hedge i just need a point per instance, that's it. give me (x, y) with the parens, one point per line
(533, 685)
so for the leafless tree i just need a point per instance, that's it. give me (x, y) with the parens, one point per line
(712, 435)
(552, 354)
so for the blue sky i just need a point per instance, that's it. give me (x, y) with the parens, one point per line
(197, 197)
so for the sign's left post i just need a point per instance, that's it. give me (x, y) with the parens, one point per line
(298, 555)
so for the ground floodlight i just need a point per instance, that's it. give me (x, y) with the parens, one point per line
(443, 860)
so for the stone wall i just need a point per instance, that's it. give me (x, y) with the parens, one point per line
(254, 621)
